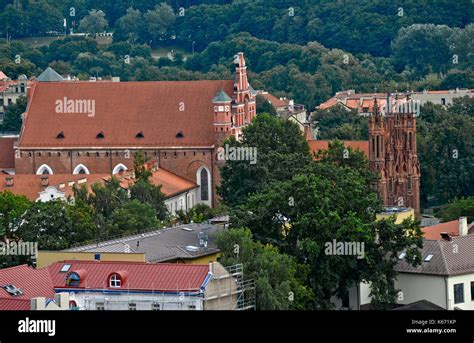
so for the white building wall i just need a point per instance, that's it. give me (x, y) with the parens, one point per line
(416, 287)
(468, 303)
(144, 302)
(179, 202)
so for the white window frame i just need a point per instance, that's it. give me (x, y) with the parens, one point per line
(42, 168)
(78, 169)
(115, 281)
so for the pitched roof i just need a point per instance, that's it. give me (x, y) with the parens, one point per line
(157, 277)
(30, 185)
(162, 245)
(316, 145)
(221, 97)
(7, 154)
(3, 75)
(32, 282)
(434, 232)
(453, 257)
(273, 100)
(49, 75)
(122, 109)
(422, 305)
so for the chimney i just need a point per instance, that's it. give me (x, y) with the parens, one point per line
(44, 180)
(463, 226)
(9, 181)
(291, 105)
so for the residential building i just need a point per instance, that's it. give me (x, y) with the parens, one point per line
(106, 285)
(11, 90)
(189, 243)
(287, 109)
(363, 103)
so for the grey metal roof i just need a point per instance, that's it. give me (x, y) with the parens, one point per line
(49, 75)
(422, 305)
(221, 96)
(455, 257)
(161, 245)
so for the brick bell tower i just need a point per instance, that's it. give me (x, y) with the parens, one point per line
(392, 154)
(244, 105)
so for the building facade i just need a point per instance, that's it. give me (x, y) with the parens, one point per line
(75, 127)
(393, 154)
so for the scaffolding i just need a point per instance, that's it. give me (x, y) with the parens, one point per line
(228, 290)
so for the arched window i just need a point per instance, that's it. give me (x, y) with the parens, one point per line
(119, 168)
(115, 281)
(81, 169)
(44, 170)
(203, 179)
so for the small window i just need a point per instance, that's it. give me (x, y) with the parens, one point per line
(191, 307)
(115, 281)
(60, 135)
(132, 306)
(65, 268)
(100, 135)
(428, 258)
(73, 279)
(402, 256)
(472, 290)
(99, 307)
(443, 101)
(155, 307)
(12, 290)
(180, 134)
(458, 293)
(140, 135)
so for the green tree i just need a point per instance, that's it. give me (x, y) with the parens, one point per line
(12, 208)
(463, 207)
(327, 202)
(140, 168)
(281, 152)
(159, 20)
(423, 47)
(150, 194)
(47, 223)
(131, 24)
(12, 121)
(132, 217)
(276, 275)
(94, 22)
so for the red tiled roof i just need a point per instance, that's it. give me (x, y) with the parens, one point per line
(172, 277)
(32, 282)
(172, 184)
(3, 75)
(434, 232)
(5, 84)
(328, 104)
(276, 102)
(316, 145)
(122, 109)
(7, 154)
(29, 185)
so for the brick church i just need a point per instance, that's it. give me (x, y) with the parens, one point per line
(391, 150)
(393, 154)
(82, 127)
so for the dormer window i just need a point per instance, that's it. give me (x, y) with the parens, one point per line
(75, 278)
(180, 134)
(100, 135)
(60, 135)
(115, 281)
(140, 135)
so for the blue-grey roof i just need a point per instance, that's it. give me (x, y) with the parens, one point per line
(174, 243)
(222, 96)
(49, 75)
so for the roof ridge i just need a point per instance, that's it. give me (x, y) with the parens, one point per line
(445, 262)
